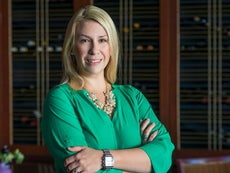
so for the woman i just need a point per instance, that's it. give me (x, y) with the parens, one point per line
(90, 124)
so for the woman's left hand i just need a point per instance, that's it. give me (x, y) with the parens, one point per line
(146, 131)
(87, 160)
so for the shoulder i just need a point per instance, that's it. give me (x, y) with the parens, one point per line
(58, 89)
(59, 92)
(129, 89)
(130, 93)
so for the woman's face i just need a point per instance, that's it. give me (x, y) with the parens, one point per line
(92, 48)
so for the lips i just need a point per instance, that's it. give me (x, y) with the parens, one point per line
(90, 61)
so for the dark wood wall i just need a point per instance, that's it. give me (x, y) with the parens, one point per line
(4, 74)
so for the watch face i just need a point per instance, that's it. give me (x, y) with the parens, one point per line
(109, 161)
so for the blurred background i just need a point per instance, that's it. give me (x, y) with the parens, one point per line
(177, 52)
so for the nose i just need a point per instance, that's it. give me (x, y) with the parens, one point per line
(94, 48)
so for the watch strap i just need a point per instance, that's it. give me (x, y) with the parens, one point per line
(107, 156)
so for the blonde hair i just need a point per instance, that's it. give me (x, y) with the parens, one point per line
(70, 71)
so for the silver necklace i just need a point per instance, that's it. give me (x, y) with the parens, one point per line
(110, 101)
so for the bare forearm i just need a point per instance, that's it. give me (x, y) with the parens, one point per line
(131, 160)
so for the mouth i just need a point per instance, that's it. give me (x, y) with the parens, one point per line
(93, 61)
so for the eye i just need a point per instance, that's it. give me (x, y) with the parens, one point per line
(84, 40)
(103, 40)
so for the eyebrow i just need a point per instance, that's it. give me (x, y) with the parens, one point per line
(90, 37)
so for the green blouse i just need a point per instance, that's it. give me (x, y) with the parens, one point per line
(70, 118)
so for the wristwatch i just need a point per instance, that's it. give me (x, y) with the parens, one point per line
(107, 160)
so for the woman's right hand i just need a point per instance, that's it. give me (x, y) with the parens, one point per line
(85, 160)
(146, 131)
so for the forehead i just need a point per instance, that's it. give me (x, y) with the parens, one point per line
(90, 28)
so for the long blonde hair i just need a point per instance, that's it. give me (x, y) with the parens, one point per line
(70, 71)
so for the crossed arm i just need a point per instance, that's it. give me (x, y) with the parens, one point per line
(155, 151)
(88, 160)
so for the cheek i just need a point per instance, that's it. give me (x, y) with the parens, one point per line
(81, 51)
(107, 51)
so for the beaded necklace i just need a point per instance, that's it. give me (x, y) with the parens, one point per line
(110, 101)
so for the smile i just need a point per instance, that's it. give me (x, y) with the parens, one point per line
(93, 60)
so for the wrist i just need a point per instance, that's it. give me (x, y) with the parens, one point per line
(107, 160)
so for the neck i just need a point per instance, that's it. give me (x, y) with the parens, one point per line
(96, 86)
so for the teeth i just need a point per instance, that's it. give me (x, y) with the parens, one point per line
(93, 60)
